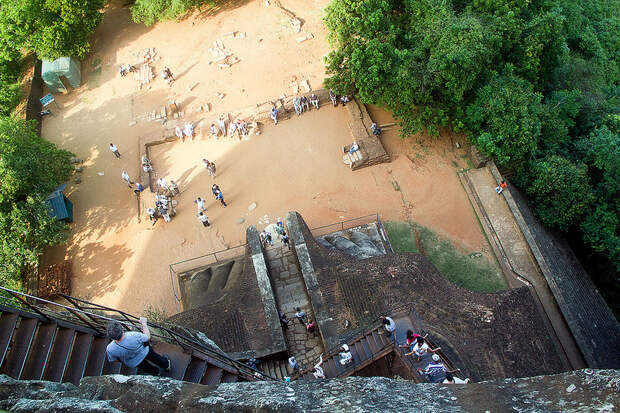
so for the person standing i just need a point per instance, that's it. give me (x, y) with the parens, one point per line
(293, 363)
(161, 182)
(115, 151)
(221, 123)
(200, 204)
(297, 105)
(204, 219)
(274, 115)
(139, 188)
(213, 131)
(304, 104)
(178, 131)
(132, 349)
(285, 241)
(126, 178)
(220, 197)
(314, 99)
(188, 130)
(300, 315)
(211, 169)
(152, 216)
(174, 188)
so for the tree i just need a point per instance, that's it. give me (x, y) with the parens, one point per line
(50, 28)
(560, 191)
(505, 119)
(31, 168)
(150, 11)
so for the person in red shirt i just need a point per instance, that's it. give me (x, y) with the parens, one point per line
(500, 188)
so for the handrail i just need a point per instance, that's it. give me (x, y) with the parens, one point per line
(341, 223)
(366, 330)
(131, 321)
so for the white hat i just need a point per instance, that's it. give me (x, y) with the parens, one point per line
(345, 347)
(435, 357)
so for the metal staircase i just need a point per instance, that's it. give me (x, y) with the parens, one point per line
(44, 340)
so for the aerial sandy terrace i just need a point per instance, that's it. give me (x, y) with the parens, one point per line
(120, 259)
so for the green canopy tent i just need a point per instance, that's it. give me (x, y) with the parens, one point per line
(68, 67)
(59, 204)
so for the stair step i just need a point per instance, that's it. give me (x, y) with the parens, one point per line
(229, 377)
(329, 369)
(20, 345)
(359, 350)
(372, 343)
(96, 357)
(364, 343)
(60, 354)
(128, 371)
(111, 368)
(179, 360)
(40, 351)
(213, 375)
(195, 370)
(7, 326)
(77, 360)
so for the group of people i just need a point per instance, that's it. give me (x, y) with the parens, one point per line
(238, 126)
(344, 99)
(187, 131)
(266, 238)
(201, 203)
(300, 103)
(125, 69)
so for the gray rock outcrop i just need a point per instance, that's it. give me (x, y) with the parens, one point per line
(572, 391)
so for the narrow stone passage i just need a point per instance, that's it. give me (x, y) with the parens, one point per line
(290, 293)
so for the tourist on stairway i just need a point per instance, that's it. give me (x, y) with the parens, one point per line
(389, 325)
(133, 350)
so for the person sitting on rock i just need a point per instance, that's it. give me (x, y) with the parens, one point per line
(354, 148)
(375, 129)
(500, 188)
(314, 99)
(345, 355)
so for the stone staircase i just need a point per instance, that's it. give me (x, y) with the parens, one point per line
(46, 345)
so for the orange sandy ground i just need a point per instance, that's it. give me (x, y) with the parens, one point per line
(296, 165)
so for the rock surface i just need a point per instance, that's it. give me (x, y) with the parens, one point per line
(597, 391)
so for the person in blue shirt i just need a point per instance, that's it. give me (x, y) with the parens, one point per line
(132, 349)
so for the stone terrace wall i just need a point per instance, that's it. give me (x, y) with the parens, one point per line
(235, 320)
(494, 335)
(596, 330)
(574, 391)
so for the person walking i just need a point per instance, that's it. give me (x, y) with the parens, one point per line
(220, 197)
(318, 370)
(174, 188)
(152, 216)
(300, 315)
(126, 178)
(297, 105)
(314, 99)
(285, 241)
(211, 169)
(132, 349)
(389, 325)
(293, 363)
(161, 182)
(204, 219)
(304, 104)
(115, 151)
(213, 131)
(214, 190)
(200, 204)
(188, 130)
(139, 188)
(274, 115)
(167, 75)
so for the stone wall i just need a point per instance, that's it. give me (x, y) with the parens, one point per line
(574, 391)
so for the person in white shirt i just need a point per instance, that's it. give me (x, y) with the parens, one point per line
(126, 178)
(293, 363)
(200, 204)
(345, 355)
(114, 150)
(318, 370)
(161, 182)
(178, 131)
(188, 130)
(389, 325)
(204, 219)
(420, 348)
(450, 379)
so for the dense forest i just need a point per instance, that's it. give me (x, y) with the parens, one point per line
(534, 84)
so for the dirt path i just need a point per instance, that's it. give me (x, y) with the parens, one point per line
(296, 165)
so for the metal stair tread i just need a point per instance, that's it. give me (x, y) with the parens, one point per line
(40, 351)
(15, 358)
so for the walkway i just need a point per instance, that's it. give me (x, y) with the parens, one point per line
(290, 293)
(517, 252)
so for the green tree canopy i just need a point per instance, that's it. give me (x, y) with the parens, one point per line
(31, 168)
(50, 28)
